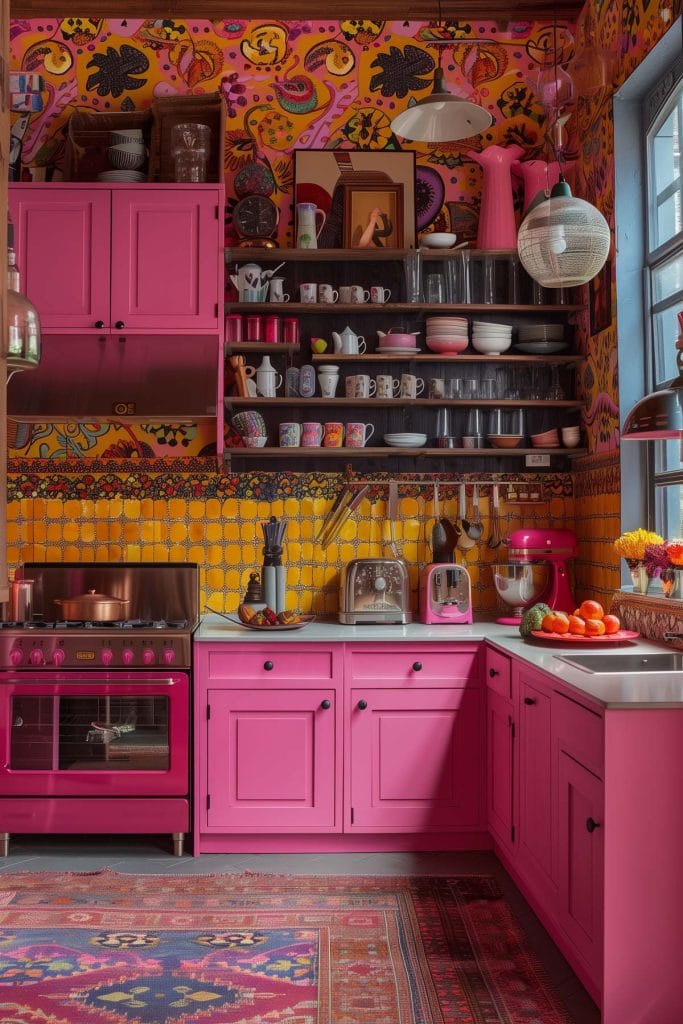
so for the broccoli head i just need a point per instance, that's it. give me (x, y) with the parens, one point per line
(533, 617)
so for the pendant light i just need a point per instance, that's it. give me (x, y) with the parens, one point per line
(441, 116)
(659, 415)
(563, 241)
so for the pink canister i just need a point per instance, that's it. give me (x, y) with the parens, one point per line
(233, 328)
(271, 329)
(290, 331)
(254, 328)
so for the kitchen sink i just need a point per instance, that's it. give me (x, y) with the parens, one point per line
(667, 661)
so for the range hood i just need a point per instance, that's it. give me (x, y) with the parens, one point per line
(137, 377)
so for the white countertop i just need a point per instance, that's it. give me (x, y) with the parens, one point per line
(637, 690)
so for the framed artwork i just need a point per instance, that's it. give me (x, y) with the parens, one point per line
(348, 186)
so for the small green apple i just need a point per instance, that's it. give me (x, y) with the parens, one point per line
(319, 345)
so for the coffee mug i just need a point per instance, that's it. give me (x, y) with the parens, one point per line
(345, 293)
(350, 386)
(387, 386)
(358, 434)
(290, 435)
(365, 386)
(378, 294)
(359, 294)
(277, 293)
(308, 292)
(411, 386)
(437, 387)
(311, 434)
(333, 435)
(250, 295)
(326, 293)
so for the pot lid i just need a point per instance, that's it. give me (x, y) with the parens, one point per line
(92, 597)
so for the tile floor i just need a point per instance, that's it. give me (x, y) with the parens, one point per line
(135, 854)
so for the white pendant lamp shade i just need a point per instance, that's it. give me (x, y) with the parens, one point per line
(563, 241)
(441, 117)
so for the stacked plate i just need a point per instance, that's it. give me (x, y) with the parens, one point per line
(122, 176)
(541, 339)
(447, 334)
(491, 339)
(405, 440)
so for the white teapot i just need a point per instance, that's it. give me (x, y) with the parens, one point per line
(348, 343)
(251, 276)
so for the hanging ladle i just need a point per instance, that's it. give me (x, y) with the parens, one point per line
(465, 542)
(476, 528)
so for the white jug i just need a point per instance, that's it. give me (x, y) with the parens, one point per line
(307, 231)
(348, 343)
(268, 380)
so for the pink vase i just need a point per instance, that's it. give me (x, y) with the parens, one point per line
(538, 176)
(497, 227)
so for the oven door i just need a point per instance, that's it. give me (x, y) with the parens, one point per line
(94, 734)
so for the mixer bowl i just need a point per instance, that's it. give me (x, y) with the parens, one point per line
(519, 585)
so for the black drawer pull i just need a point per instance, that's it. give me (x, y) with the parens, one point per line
(362, 704)
(268, 666)
(417, 666)
(493, 672)
(99, 324)
(119, 325)
(529, 700)
(325, 704)
(591, 824)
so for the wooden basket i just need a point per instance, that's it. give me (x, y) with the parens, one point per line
(88, 140)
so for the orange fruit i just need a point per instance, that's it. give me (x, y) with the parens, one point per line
(612, 624)
(595, 627)
(560, 622)
(548, 623)
(577, 625)
(591, 610)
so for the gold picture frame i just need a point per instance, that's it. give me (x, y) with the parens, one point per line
(373, 216)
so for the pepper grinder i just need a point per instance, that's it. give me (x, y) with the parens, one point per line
(273, 569)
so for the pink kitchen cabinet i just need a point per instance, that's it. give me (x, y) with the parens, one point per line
(415, 739)
(117, 259)
(500, 733)
(537, 812)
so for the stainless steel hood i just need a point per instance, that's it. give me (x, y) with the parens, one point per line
(138, 377)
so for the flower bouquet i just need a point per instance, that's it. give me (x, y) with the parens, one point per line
(671, 574)
(632, 546)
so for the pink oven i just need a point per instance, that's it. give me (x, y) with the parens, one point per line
(95, 716)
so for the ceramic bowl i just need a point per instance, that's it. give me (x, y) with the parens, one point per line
(447, 345)
(490, 345)
(439, 240)
(120, 136)
(255, 440)
(504, 440)
(128, 157)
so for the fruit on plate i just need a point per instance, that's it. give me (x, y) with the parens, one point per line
(612, 624)
(555, 622)
(580, 623)
(319, 345)
(287, 618)
(590, 610)
(532, 618)
(246, 612)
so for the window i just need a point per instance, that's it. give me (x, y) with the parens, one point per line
(664, 282)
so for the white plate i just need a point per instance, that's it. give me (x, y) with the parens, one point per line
(541, 348)
(408, 436)
(395, 351)
(416, 441)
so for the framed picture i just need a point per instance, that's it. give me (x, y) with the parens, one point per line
(373, 216)
(348, 185)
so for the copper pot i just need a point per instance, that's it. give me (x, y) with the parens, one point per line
(93, 606)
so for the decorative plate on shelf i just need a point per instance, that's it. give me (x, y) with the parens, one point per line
(541, 348)
(387, 350)
(305, 620)
(620, 637)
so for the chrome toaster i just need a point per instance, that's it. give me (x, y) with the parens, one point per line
(374, 590)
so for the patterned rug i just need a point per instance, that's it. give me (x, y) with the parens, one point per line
(109, 948)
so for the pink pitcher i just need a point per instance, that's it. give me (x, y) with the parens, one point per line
(538, 176)
(497, 227)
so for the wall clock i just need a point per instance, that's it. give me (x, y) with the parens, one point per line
(255, 217)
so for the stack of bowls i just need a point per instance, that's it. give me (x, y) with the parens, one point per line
(546, 439)
(447, 335)
(541, 339)
(405, 440)
(489, 338)
(251, 426)
(127, 155)
(571, 436)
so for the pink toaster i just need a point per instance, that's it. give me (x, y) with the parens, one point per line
(445, 594)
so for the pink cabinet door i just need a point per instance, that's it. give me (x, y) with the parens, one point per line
(580, 869)
(536, 833)
(271, 760)
(415, 759)
(500, 732)
(165, 260)
(62, 244)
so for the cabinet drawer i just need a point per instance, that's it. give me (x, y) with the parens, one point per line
(270, 663)
(580, 733)
(498, 675)
(413, 665)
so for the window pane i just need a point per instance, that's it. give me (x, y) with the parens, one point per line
(667, 278)
(667, 456)
(669, 511)
(664, 167)
(665, 333)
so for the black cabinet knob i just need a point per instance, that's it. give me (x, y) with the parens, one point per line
(325, 704)
(529, 700)
(362, 704)
(591, 824)
(268, 666)
(493, 672)
(119, 325)
(99, 324)
(417, 666)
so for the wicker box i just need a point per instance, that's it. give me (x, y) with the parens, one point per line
(88, 140)
(168, 111)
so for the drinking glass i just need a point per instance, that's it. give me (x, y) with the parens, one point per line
(435, 291)
(413, 275)
(475, 423)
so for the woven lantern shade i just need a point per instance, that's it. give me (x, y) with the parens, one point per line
(563, 241)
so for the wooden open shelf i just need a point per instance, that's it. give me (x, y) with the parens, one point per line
(405, 403)
(388, 452)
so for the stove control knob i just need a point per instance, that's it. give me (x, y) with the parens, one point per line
(127, 656)
(36, 656)
(148, 656)
(58, 657)
(106, 656)
(168, 656)
(16, 656)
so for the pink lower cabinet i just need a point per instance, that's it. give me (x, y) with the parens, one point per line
(500, 732)
(537, 829)
(415, 740)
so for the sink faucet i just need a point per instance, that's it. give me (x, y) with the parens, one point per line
(668, 635)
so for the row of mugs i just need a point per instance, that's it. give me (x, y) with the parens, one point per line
(353, 294)
(312, 434)
(361, 385)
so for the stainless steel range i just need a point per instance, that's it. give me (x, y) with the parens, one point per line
(95, 715)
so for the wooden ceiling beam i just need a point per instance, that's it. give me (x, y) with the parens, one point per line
(504, 11)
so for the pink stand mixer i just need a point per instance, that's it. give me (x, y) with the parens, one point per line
(537, 571)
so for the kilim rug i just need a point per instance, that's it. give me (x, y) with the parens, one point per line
(109, 948)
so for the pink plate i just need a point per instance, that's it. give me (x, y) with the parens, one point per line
(303, 621)
(620, 637)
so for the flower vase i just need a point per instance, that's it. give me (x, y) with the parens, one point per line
(672, 582)
(497, 227)
(537, 176)
(640, 578)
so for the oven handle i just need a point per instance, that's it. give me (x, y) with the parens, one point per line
(37, 681)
